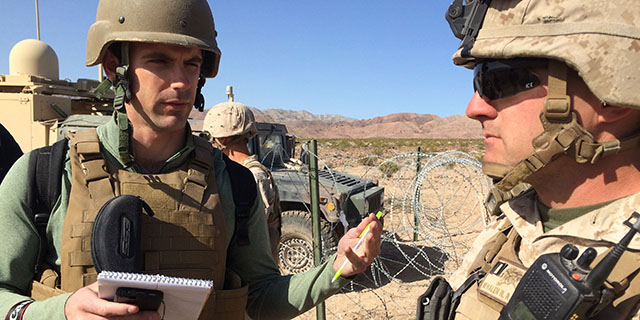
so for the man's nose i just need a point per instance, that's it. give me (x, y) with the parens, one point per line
(182, 78)
(479, 109)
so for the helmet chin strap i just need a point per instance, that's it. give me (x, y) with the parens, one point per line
(122, 95)
(562, 135)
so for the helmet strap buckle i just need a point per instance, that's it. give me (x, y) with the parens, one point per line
(557, 106)
(198, 104)
(121, 83)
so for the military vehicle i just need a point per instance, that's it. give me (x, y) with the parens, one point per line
(36, 102)
(344, 199)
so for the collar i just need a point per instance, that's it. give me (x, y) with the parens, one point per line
(604, 224)
(108, 134)
(250, 158)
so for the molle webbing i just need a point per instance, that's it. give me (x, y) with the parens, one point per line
(187, 235)
(497, 197)
(505, 245)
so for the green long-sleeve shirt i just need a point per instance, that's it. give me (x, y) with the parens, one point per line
(270, 295)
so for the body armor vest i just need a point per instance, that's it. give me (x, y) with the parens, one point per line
(185, 238)
(485, 298)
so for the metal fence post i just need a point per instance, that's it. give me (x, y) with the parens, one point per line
(315, 214)
(417, 200)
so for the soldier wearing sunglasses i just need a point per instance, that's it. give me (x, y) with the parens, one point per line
(557, 91)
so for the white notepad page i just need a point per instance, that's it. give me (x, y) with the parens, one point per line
(183, 297)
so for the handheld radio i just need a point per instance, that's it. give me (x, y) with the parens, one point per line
(559, 286)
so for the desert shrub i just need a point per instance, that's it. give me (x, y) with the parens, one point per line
(389, 168)
(369, 161)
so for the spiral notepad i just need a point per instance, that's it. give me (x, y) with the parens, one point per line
(183, 297)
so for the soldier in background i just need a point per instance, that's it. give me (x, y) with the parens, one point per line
(230, 125)
(557, 91)
(9, 151)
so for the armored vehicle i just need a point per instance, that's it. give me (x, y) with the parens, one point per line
(36, 102)
(344, 199)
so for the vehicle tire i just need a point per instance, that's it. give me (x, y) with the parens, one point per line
(295, 253)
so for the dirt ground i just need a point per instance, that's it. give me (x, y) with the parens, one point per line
(449, 198)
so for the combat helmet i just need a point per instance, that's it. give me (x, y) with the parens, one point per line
(598, 39)
(230, 119)
(187, 23)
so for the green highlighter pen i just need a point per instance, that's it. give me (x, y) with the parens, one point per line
(362, 235)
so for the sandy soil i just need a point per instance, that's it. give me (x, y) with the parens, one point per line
(448, 198)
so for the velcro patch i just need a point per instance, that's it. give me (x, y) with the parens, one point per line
(500, 283)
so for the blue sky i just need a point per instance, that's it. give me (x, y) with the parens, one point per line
(356, 58)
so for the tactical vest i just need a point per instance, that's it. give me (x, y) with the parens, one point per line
(274, 220)
(185, 238)
(485, 298)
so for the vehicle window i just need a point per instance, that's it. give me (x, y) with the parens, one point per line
(271, 150)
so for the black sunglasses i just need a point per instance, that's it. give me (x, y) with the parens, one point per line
(497, 79)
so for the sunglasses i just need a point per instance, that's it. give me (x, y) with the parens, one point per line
(498, 79)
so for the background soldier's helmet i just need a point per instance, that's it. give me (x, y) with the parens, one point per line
(599, 39)
(229, 119)
(187, 23)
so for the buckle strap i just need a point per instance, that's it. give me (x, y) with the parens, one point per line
(557, 105)
(195, 184)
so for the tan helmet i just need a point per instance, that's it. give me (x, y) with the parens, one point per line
(229, 119)
(187, 23)
(599, 39)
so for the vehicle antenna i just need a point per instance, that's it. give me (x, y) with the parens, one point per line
(230, 93)
(37, 22)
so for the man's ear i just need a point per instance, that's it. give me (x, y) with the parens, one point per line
(109, 64)
(610, 114)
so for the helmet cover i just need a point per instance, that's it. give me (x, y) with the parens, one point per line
(229, 119)
(599, 39)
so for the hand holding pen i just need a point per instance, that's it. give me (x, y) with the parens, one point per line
(359, 247)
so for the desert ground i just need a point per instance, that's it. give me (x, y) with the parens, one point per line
(447, 197)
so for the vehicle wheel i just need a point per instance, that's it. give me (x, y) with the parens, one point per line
(295, 253)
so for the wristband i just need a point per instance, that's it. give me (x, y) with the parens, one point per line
(17, 311)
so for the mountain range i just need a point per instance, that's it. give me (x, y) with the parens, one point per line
(304, 124)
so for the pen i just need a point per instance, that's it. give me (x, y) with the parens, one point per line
(362, 235)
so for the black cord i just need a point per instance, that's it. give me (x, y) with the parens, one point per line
(164, 309)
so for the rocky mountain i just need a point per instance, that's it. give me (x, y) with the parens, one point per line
(280, 116)
(304, 124)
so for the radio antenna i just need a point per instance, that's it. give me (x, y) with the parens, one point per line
(37, 21)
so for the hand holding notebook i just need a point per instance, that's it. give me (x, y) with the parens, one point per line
(182, 298)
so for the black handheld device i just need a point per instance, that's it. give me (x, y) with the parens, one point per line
(559, 286)
(145, 299)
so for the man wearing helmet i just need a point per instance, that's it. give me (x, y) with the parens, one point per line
(230, 125)
(557, 94)
(156, 55)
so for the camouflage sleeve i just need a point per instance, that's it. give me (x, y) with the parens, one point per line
(19, 243)
(265, 189)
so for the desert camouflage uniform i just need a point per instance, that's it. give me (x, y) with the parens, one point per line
(265, 188)
(268, 193)
(600, 229)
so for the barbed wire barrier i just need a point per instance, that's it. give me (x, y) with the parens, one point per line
(435, 208)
